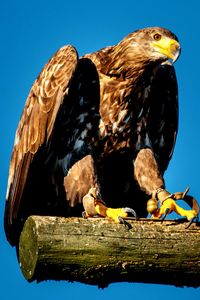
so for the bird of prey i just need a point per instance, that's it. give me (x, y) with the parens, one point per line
(98, 129)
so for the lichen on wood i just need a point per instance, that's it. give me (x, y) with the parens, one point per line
(99, 252)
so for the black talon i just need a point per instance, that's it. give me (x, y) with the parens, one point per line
(166, 213)
(130, 211)
(193, 220)
(84, 215)
(185, 192)
(126, 224)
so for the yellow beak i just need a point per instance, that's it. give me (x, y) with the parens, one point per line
(169, 47)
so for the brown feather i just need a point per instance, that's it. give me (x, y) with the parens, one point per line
(101, 121)
(36, 123)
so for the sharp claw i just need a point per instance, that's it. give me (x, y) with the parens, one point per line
(166, 213)
(130, 211)
(193, 220)
(84, 214)
(185, 192)
(126, 224)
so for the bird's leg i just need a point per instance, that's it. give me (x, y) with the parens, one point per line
(168, 205)
(96, 207)
(151, 181)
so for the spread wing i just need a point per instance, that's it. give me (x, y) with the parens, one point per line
(37, 123)
(58, 123)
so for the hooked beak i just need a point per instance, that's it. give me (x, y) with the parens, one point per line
(169, 47)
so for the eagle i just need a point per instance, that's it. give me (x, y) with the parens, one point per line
(97, 129)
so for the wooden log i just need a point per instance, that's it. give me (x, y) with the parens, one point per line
(99, 252)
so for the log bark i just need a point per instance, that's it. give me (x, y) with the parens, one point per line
(99, 252)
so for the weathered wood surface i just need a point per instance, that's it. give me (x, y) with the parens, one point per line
(100, 252)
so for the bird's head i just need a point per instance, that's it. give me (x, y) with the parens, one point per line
(164, 43)
(139, 49)
(154, 43)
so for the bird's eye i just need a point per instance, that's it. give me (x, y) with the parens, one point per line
(157, 37)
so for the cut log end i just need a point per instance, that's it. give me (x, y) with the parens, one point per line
(100, 252)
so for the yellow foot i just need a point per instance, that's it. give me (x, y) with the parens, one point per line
(169, 205)
(95, 207)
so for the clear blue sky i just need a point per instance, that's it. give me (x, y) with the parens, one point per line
(31, 31)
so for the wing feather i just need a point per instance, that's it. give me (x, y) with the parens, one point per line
(37, 121)
(164, 117)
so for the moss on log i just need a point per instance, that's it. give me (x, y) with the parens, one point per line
(100, 252)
